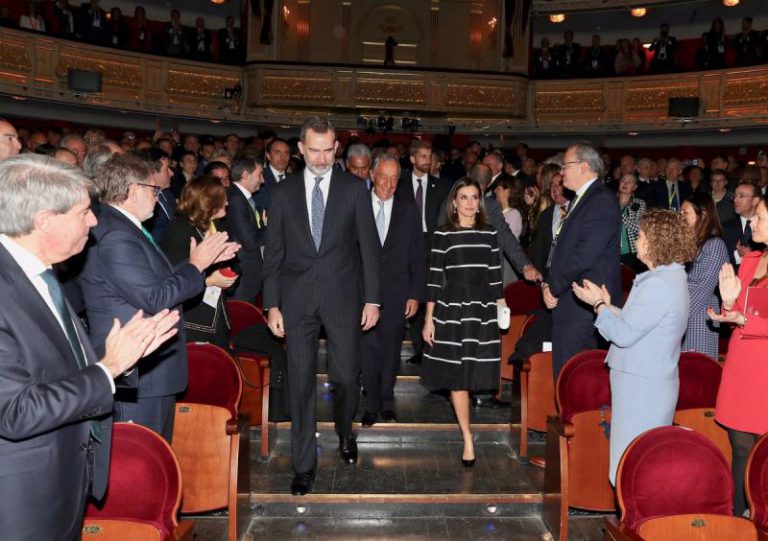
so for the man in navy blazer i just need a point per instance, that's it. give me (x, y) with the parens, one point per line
(165, 209)
(278, 155)
(321, 268)
(587, 245)
(245, 224)
(55, 394)
(126, 271)
(403, 286)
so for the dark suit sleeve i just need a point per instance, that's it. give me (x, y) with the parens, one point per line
(130, 275)
(601, 224)
(176, 241)
(274, 252)
(368, 239)
(29, 408)
(507, 241)
(417, 272)
(542, 241)
(238, 223)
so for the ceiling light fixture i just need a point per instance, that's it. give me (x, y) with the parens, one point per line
(638, 12)
(218, 1)
(557, 18)
(730, 3)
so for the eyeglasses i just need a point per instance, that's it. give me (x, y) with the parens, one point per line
(569, 163)
(155, 189)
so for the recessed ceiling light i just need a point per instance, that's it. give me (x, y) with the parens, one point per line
(638, 12)
(557, 17)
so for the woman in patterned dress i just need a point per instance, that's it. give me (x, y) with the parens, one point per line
(702, 334)
(465, 287)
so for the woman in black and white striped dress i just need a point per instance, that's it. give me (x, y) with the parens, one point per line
(461, 325)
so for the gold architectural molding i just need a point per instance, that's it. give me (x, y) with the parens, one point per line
(508, 98)
(656, 97)
(119, 72)
(195, 84)
(586, 100)
(390, 92)
(293, 88)
(747, 91)
(13, 56)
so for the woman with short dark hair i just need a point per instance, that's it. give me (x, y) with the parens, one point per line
(460, 324)
(646, 333)
(702, 334)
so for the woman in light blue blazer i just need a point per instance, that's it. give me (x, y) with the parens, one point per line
(646, 333)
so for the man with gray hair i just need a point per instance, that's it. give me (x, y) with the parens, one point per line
(125, 271)
(403, 286)
(359, 162)
(56, 397)
(76, 144)
(585, 245)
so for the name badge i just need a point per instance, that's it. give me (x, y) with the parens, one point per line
(211, 297)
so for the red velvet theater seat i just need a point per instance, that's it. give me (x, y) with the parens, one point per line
(699, 382)
(254, 370)
(207, 436)
(577, 442)
(756, 483)
(144, 491)
(522, 298)
(674, 483)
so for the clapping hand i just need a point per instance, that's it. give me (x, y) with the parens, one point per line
(727, 316)
(730, 286)
(590, 293)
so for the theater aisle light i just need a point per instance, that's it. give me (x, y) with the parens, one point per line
(638, 12)
(557, 18)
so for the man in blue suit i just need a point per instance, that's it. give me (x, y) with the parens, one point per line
(278, 155)
(126, 271)
(586, 245)
(56, 395)
(403, 284)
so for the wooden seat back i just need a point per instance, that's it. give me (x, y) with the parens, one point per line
(144, 490)
(589, 462)
(537, 396)
(698, 527)
(702, 420)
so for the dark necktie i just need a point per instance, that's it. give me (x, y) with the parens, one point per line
(420, 197)
(318, 213)
(747, 237)
(57, 295)
(281, 178)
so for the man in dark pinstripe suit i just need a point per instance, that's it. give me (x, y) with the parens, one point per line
(321, 268)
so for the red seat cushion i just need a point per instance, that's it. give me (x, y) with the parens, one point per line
(523, 297)
(214, 378)
(699, 381)
(757, 482)
(144, 479)
(583, 384)
(673, 470)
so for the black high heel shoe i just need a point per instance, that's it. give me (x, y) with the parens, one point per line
(467, 463)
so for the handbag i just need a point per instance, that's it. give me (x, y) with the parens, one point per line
(503, 316)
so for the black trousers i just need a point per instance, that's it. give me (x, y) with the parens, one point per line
(343, 373)
(155, 412)
(573, 331)
(380, 363)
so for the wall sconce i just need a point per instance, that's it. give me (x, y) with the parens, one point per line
(493, 23)
(638, 12)
(730, 3)
(557, 18)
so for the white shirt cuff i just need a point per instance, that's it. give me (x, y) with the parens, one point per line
(109, 376)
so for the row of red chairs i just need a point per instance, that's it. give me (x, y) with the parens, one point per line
(151, 482)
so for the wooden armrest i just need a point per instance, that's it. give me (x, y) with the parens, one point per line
(617, 531)
(526, 366)
(185, 531)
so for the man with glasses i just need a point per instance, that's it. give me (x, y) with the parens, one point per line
(737, 233)
(160, 177)
(125, 271)
(585, 245)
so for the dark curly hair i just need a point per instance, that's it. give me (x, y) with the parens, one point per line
(670, 238)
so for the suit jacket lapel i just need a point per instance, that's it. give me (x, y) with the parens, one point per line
(394, 221)
(584, 198)
(21, 292)
(130, 226)
(330, 208)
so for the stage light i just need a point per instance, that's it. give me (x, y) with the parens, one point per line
(218, 1)
(638, 12)
(730, 3)
(557, 18)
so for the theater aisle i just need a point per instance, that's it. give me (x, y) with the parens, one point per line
(408, 483)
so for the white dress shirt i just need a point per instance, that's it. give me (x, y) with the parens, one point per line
(424, 183)
(309, 186)
(246, 193)
(33, 268)
(134, 220)
(277, 174)
(376, 203)
(736, 256)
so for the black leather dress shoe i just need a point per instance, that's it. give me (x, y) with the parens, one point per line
(491, 403)
(388, 416)
(302, 483)
(416, 359)
(348, 449)
(369, 419)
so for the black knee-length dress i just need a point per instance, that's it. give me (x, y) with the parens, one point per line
(465, 279)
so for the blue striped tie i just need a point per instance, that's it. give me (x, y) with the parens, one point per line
(318, 213)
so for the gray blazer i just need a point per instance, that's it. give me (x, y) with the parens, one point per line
(646, 334)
